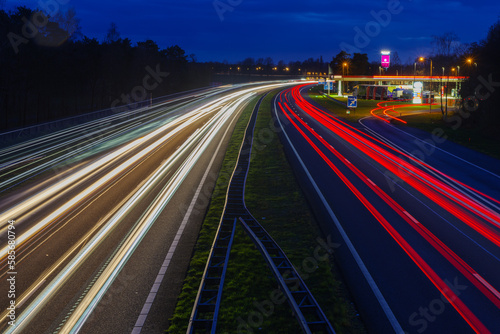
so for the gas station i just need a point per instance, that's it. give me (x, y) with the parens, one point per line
(421, 88)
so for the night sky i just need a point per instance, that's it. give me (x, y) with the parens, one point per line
(284, 29)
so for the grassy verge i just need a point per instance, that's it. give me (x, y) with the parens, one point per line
(182, 313)
(469, 136)
(363, 109)
(275, 199)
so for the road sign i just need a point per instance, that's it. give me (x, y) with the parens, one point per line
(352, 102)
(329, 85)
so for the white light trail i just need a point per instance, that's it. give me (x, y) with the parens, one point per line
(203, 137)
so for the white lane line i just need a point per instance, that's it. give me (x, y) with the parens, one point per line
(373, 183)
(411, 217)
(438, 148)
(477, 196)
(166, 263)
(487, 285)
(371, 282)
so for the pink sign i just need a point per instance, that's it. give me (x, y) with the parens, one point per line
(386, 60)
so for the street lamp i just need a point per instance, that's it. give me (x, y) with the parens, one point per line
(414, 70)
(441, 93)
(343, 67)
(469, 61)
(430, 84)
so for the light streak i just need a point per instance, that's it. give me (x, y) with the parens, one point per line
(218, 113)
(439, 192)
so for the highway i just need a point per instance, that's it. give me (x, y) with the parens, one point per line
(103, 217)
(418, 217)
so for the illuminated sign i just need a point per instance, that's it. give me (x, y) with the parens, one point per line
(386, 59)
(417, 92)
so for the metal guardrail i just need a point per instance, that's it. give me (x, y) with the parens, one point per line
(206, 307)
(205, 310)
(309, 314)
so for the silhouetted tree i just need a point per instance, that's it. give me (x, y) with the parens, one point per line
(112, 35)
(481, 93)
(54, 73)
(445, 45)
(359, 64)
(339, 60)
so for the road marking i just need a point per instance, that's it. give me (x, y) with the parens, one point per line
(487, 285)
(373, 183)
(139, 324)
(411, 217)
(369, 279)
(436, 147)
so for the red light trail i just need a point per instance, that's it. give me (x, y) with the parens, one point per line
(457, 203)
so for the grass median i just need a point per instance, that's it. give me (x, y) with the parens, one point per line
(456, 129)
(363, 106)
(275, 199)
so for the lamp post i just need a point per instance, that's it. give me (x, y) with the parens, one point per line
(441, 94)
(343, 67)
(469, 61)
(446, 92)
(414, 70)
(430, 84)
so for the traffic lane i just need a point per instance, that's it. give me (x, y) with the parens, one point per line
(63, 149)
(127, 296)
(468, 247)
(461, 238)
(131, 115)
(83, 221)
(441, 155)
(8, 215)
(104, 165)
(488, 202)
(403, 285)
(470, 167)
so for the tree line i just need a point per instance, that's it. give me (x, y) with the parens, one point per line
(268, 67)
(49, 70)
(481, 93)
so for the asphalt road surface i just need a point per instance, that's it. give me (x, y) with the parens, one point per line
(102, 217)
(418, 217)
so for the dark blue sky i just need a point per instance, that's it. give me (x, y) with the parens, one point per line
(284, 29)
